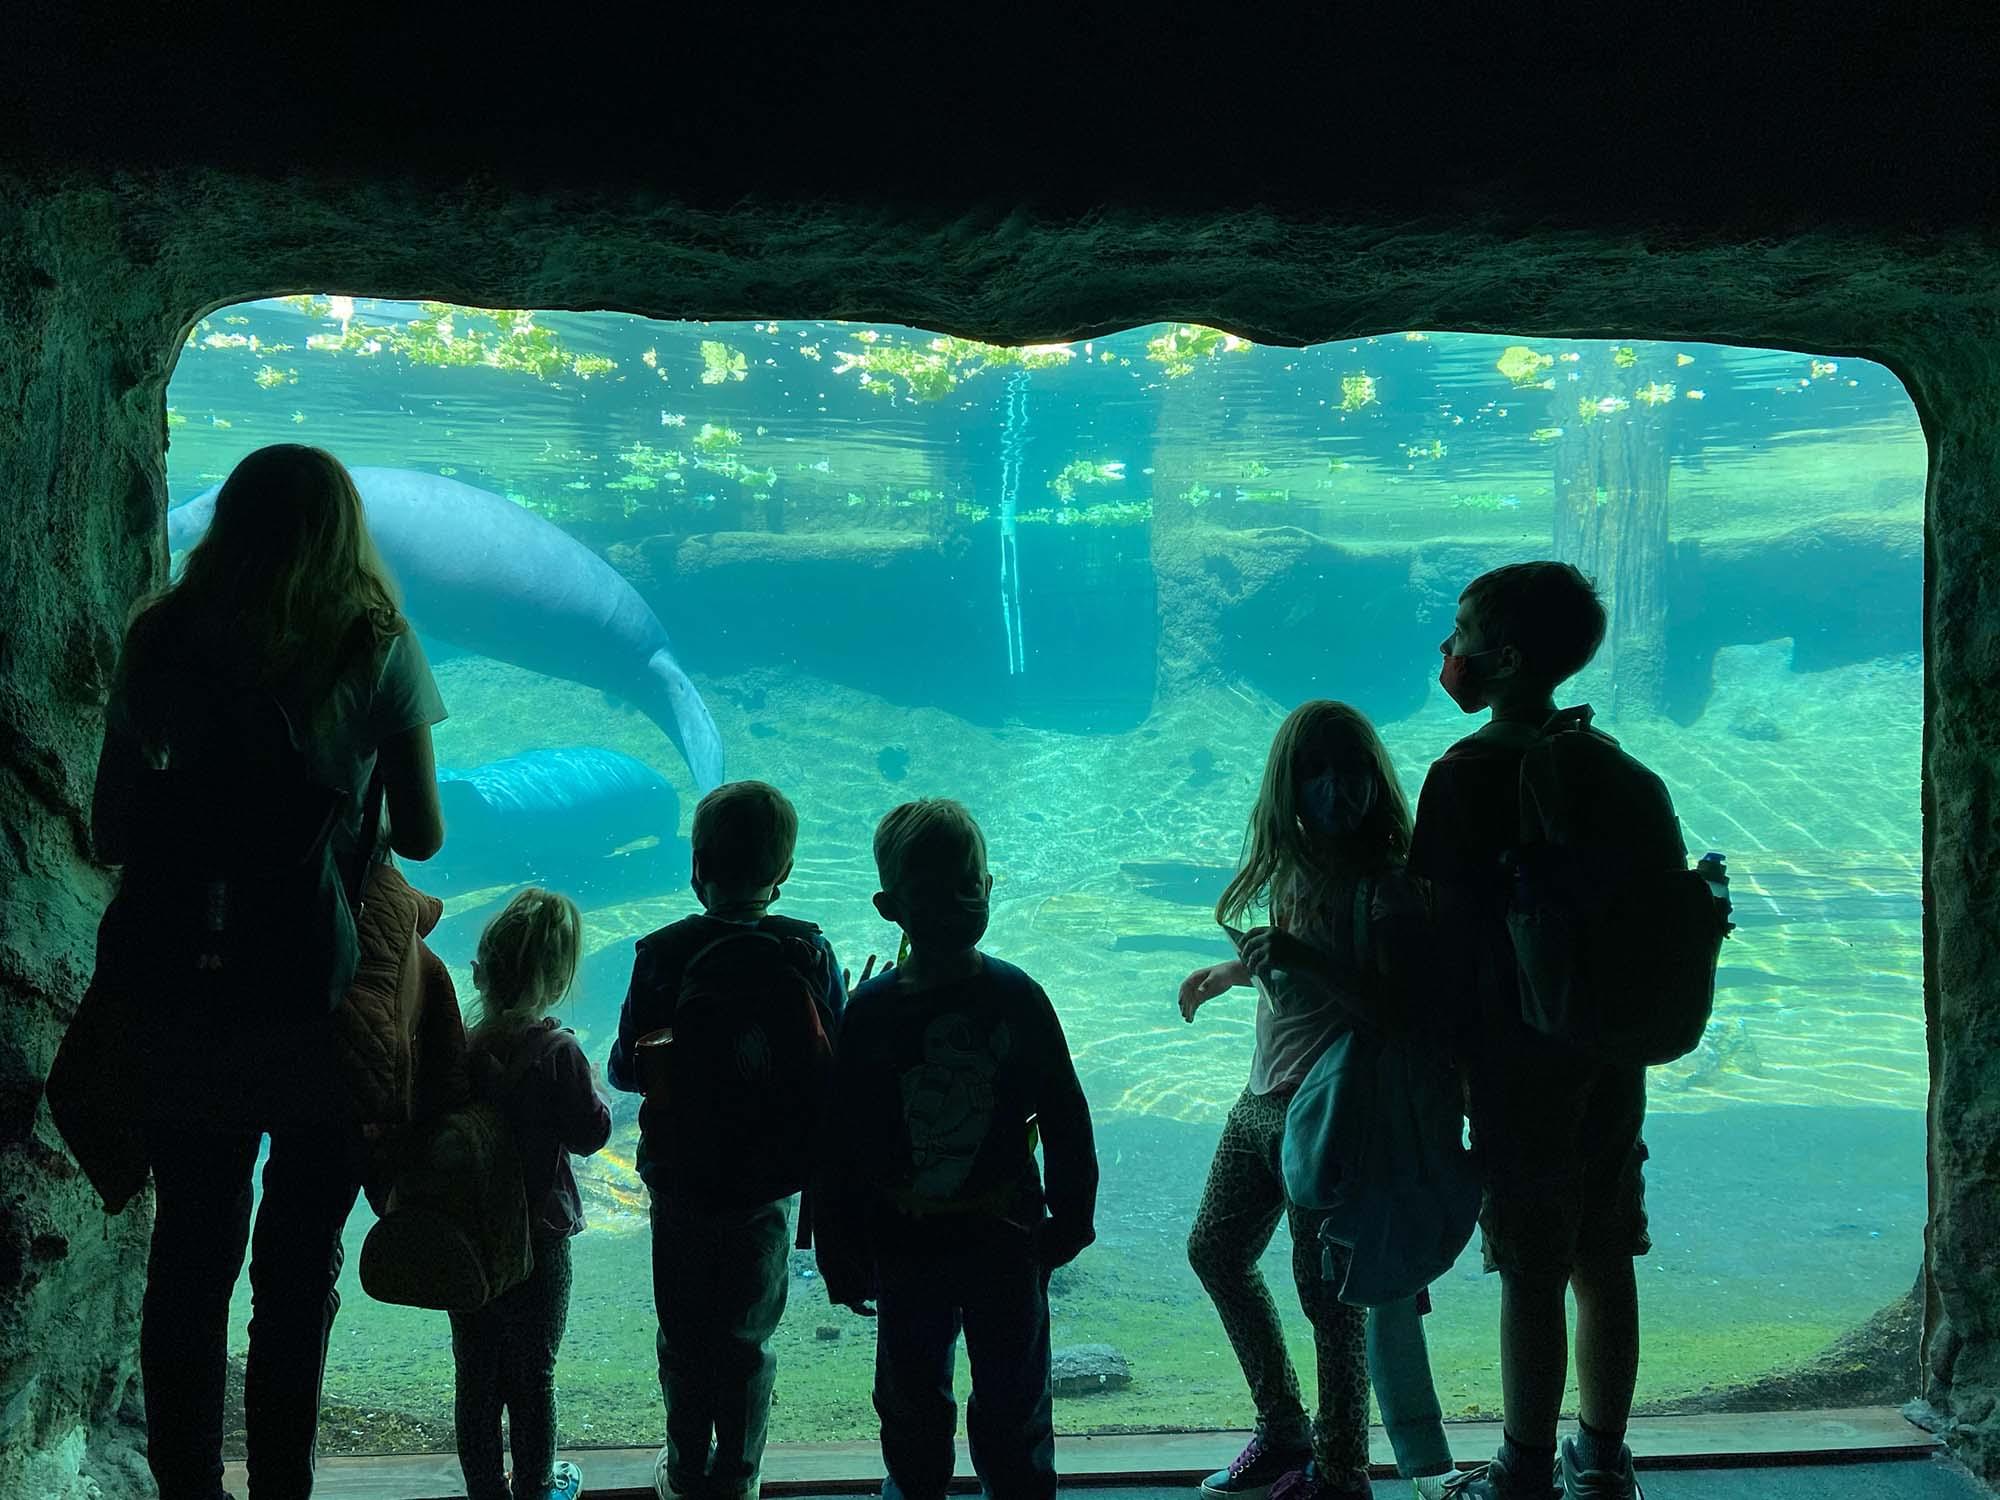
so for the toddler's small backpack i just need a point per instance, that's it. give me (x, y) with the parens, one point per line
(455, 1232)
(749, 1062)
(1615, 938)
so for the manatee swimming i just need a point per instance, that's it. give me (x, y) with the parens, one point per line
(489, 576)
(549, 815)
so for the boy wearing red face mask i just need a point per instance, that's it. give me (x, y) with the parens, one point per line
(1559, 1134)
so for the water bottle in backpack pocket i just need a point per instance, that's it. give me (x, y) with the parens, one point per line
(1615, 938)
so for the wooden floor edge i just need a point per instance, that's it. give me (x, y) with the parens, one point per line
(1172, 1459)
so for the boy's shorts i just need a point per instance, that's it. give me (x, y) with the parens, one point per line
(1563, 1157)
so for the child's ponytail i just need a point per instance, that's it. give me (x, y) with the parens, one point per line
(527, 958)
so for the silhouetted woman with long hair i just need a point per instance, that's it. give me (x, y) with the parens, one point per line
(284, 596)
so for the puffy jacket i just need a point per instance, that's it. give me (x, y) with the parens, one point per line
(399, 1040)
(391, 1056)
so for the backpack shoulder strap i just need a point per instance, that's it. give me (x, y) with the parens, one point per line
(731, 932)
(1545, 805)
(789, 927)
(526, 1055)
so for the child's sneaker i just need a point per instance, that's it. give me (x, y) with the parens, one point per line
(664, 1486)
(568, 1481)
(1441, 1486)
(1491, 1481)
(1580, 1483)
(1252, 1472)
(1309, 1484)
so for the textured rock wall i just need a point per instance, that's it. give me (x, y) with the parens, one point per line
(1957, 387)
(83, 365)
(98, 277)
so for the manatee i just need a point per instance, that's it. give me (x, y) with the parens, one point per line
(488, 576)
(548, 812)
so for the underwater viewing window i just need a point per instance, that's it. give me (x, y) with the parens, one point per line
(1077, 587)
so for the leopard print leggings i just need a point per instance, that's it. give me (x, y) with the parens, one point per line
(1239, 1213)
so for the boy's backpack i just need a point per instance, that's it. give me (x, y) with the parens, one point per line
(232, 899)
(1374, 1137)
(455, 1232)
(749, 1062)
(1615, 938)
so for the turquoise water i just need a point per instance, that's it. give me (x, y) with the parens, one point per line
(1078, 587)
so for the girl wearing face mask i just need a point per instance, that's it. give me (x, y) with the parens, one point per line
(1327, 838)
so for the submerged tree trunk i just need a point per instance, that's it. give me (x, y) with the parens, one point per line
(1611, 510)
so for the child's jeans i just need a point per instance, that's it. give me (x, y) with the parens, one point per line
(1399, 1363)
(719, 1286)
(982, 1280)
(505, 1353)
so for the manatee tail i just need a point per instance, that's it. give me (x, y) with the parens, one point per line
(670, 701)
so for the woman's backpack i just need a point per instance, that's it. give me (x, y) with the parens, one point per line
(232, 901)
(749, 1061)
(1615, 938)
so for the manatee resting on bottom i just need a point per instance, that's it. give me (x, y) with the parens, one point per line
(554, 816)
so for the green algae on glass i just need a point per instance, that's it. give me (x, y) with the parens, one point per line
(720, 363)
(1084, 471)
(715, 442)
(1183, 346)
(447, 336)
(933, 370)
(1357, 391)
(1521, 365)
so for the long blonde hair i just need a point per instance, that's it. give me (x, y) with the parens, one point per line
(527, 959)
(286, 585)
(1277, 849)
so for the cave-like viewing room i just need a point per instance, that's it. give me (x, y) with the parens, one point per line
(1095, 420)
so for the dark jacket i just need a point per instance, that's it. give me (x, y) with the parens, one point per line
(540, 1080)
(940, 1097)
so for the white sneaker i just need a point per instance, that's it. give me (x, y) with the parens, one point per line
(662, 1486)
(1439, 1486)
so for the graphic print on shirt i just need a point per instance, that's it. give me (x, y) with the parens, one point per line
(753, 1056)
(948, 1103)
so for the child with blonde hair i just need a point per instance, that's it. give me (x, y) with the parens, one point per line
(951, 1068)
(1326, 842)
(536, 1074)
